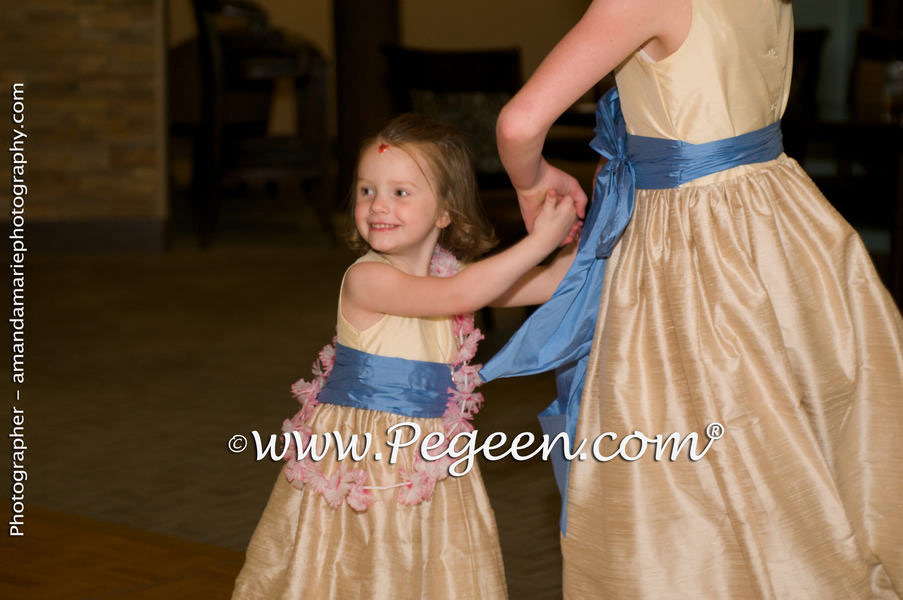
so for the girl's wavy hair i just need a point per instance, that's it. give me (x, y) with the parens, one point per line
(449, 167)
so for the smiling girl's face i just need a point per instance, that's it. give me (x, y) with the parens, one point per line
(396, 210)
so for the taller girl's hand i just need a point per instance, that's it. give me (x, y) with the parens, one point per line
(555, 220)
(550, 179)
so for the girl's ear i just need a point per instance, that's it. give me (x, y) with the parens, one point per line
(443, 220)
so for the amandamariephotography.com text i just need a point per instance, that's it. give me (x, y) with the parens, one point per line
(17, 255)
(465, 447)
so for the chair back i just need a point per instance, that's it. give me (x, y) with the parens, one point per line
(876, 80)
(808, 46)
(465, 89)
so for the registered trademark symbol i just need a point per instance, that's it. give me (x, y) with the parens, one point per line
(715, 431)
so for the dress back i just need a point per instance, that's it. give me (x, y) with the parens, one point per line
(713, 86)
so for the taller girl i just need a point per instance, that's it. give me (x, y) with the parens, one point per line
(736, 294)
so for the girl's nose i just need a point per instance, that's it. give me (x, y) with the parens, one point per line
(379, 205)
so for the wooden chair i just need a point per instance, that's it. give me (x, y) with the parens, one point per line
(867, 188)
(466, 89)
(876, 134)
(801, 115)
(241, 57)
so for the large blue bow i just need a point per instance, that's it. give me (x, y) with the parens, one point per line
(614, 186)
(559, 334)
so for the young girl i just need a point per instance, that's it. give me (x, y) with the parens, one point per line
(371, 529)
(736, 304)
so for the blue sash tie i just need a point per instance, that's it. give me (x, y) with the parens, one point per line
(559, 334)
(413, 388)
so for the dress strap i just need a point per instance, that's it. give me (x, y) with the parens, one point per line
(559, 334)
(412, 388)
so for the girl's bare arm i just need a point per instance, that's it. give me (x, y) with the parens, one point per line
(375, 288)
(539, 283)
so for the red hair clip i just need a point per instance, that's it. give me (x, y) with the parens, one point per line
(382, 148)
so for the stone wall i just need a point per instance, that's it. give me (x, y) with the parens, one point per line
(94, 112)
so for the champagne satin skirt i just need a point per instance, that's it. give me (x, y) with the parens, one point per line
(446, 547)
(753, 304)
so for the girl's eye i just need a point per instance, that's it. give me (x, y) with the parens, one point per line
(366, 191)
(402, 193)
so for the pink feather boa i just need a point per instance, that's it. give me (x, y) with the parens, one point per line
(417, 483)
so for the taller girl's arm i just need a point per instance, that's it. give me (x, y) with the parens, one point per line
(609, 32)
(379, 288)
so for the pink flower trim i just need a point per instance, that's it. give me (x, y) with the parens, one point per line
(417, 484)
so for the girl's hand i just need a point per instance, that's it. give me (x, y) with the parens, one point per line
(554, 180)
(556, 219)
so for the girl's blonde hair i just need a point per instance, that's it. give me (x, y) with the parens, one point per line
(449, 167)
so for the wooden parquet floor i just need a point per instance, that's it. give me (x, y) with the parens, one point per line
(64, 557)
(141, 368)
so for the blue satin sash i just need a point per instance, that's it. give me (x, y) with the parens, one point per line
(559, 334)
(413, 388)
